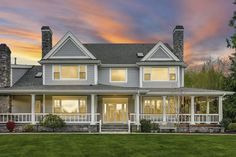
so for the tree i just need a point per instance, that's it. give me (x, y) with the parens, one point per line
(230, 103)
(53, 121)
(210, 76)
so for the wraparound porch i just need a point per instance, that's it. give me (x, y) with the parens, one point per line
(114, 109)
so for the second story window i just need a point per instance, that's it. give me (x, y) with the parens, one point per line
(69, 72)
(118, 75)
(159, 74)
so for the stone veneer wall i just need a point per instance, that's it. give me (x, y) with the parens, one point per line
(178, 42)
(5, 76)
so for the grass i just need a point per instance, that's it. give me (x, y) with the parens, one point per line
(79, 145)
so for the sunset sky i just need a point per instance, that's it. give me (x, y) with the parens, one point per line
(117, 21)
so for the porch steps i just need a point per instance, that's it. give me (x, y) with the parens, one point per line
(109, 128)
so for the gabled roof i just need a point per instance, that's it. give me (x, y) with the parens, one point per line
(73, 42)
(160, 49)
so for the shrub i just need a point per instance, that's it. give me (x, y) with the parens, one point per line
(53, 122)
(155, 127)
(145, 125)
(225, 123)
(232, 127)
(28, 128)
(10, 126)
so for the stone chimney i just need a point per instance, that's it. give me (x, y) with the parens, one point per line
(46, 40)
(178, 42)
(5, 66)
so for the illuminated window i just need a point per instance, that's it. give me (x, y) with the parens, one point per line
(152, 105)
(118, 75)
(159, 74)
(70, 72)
(172, 73)
(56, 72)
(70, 104)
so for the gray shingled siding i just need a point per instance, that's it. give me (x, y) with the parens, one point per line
(49, 78)
(132, 80)
(17, 74)
(69, 49)
(160, 54)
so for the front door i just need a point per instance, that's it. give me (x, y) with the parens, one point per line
(115, 110)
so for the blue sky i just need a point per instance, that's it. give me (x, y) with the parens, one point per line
(117, 21)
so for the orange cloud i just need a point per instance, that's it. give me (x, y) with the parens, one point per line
(110, 25)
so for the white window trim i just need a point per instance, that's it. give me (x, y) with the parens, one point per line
(66, 79)
(176, 73)
(126, 76)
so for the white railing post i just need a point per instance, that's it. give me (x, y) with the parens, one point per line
(33, 108)
(129, 127)
(92, 109)
(100, 126)
(220, 110)
(164, 109)
(192, 110)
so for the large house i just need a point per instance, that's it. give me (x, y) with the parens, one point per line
(105, 86)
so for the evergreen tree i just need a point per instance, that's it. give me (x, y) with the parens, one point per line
(230, 103)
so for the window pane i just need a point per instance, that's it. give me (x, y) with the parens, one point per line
(69, 71)
(56, 68)
(172, 72)
(69, 106)
(152, 105)
(56, 75)
(170, 105)
(147, 73)
(172, 77)
(82, 106)
(82, 68)
(82, 75)
(118, 75)
(147, 77)
(160, 74)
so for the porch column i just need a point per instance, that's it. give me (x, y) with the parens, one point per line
(43, 104)
(92, 109)
(137, 108)
(178, 108)
(164, 109)
(207, 112)
(192, 110)
(220, 110)
(33, 108)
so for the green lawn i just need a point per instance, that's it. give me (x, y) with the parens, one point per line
(79, 145)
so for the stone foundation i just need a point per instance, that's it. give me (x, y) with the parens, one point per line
(201, 128)
(68, 128)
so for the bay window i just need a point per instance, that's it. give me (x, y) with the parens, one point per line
(69, 72)
(159, 74)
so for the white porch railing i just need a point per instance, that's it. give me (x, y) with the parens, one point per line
(16, 117)
(206, 118)
(156, 118)
(68, 118)
(176, 118)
